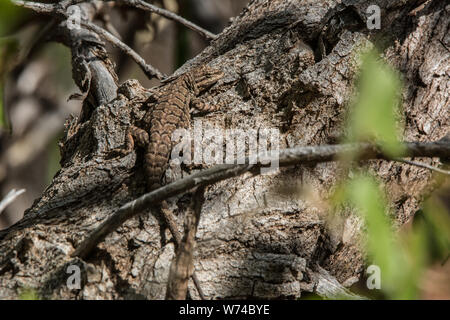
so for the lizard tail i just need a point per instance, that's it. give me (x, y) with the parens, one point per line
(156, 162)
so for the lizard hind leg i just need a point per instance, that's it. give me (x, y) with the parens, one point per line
(139, 135)
(133, 134)
(202, 106)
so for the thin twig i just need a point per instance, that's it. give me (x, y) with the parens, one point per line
(169, 15)
(182, 266)
(423, 165)
(10, 197)
(199, 200)
(148, 69)
(36, 6)
(172, 225)
(198, 286)
(287, 157)
(59, 9)
(328, 287)
(63, 5)
(130, 209)
(47, 7)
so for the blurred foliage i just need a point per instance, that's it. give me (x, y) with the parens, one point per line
(183, 47)
(60, 76)
(434, 221)
(401, 260)
(402, 256)
(9, 46)
(28, 294)
(9, 14)
(183, 41)
(54, 158)
(60, 61)
(8, 50)
(3, 119)
(373, 114)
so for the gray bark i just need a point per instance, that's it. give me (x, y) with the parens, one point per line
(257, 236)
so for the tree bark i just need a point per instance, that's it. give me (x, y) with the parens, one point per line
(257, 237)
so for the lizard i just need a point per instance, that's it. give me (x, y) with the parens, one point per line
(169, 111)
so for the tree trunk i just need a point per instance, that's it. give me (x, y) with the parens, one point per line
(257, 237)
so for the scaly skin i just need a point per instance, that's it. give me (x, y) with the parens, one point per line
(170, 112)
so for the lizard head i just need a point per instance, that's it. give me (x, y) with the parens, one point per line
(204, 77)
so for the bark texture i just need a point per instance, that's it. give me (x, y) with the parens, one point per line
(256, 238)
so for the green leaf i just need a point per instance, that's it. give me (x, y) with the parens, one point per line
(9, 15)
(435, 223)
(28, 294)
(8, 51)
(373, 115)
(54, 158)
(364, 194)
(60, 63)
(3, 120)
(401, 259)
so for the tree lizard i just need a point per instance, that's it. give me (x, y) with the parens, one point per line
(169, 111)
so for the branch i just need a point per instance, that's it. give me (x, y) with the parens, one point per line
(10, 197)
(61, 6)
(287, 157)
(169, 15)
(328, 287)
(148, 69)
(182, 266)
(36, 6)
(60, 9)
(172, 225)
(423, 165)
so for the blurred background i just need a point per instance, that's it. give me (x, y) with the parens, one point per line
(36, 81)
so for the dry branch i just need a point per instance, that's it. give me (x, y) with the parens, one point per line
(169, 15)
(148, 69)
(59, 10)
(182, 266)
(287, 157)
(10, 197)
(423, 165)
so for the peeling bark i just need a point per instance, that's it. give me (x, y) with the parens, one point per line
(253, 240)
